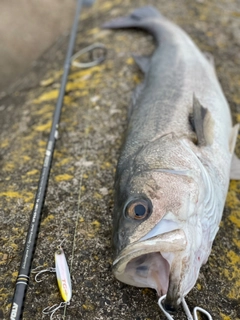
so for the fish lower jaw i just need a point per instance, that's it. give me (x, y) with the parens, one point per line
(148, 263)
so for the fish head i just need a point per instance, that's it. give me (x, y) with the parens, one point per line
(156, 229)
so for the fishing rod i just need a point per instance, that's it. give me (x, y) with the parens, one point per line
(30, 244)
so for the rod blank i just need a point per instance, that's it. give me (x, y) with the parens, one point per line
(30, 244)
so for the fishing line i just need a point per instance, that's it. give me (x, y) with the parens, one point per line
(80, 198)
(77, 218)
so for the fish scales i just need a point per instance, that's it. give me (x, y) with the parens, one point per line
(174, 168)
(177, 70)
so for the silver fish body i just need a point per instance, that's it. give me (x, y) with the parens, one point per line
(173, 172)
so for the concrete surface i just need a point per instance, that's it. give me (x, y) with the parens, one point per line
(81, 182)
(27, 29)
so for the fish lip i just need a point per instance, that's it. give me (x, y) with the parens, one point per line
(172, 241)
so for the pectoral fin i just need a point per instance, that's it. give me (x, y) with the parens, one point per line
(202, 123)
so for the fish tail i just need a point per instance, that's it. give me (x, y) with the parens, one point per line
(141, 18)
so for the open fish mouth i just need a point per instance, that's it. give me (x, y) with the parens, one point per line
(147, 263)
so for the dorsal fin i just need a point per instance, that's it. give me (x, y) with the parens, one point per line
(202, 123)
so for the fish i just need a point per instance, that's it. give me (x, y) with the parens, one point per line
(175, 163)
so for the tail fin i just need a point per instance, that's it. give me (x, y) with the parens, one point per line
(139, 18)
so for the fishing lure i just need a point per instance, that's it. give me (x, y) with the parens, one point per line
(63, 280)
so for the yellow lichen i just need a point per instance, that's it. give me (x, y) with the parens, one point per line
(46, 109)
(48, 219)
(93, 31)
(235, 218)
(96, 224)
(44, 127)
(224, 316)
(47, 96)
(42, 143)
(11, 194)
(63, 162)
(46, 82)
(136, 79)
(14, 246)
(130, 61)
(26, 158)
(88, 130)
(199, 287)
(71, 86)
(97, 195)
(9, 166)
(236, 99)
(82, 73)
(106, 165)
(4, 143)
(90, 235)
(32, 172)
(88, 306)
(237, 242)
(232, 273)
(232, 201)
(63, 177)
(106, 5)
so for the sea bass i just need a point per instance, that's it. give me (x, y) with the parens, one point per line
(174, 169)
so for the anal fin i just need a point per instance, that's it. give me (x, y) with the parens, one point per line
(233, 137)
(235, 165)
(143, 62)
(210, 58)
(235, 168)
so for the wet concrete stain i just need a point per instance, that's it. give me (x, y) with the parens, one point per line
(80, 191)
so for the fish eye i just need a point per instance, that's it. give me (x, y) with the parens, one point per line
(138, 209)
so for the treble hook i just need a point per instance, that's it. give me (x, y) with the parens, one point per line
(51, 310)
(186, 309)
(42, 271)
(90, 49)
